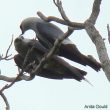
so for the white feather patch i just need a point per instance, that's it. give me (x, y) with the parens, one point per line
(67, 41)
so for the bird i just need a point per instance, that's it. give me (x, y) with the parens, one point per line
(55, 68)
(47, 33)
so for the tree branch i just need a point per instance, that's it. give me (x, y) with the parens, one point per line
(58, 3)
(19, 77)
(5, 100)
(6, 57)
(108, 29)
(77, 26)
(7, 79)
(95, 11)
(97, 38)
(65, 20)
(11, 79)
(100, 46)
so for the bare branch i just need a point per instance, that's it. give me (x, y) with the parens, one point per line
(19, 77)
(108, 29)
(52, 51)
(58, 3)
(100, 46)
(6, 55)
(77, 26)
(11, 79)
(66, 21)
(5, 100)
(9, 48)
(7, 79)
(95, 11)
(97, 38)
(55, 2)
(11, 84)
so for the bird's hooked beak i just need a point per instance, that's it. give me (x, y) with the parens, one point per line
(22, 32)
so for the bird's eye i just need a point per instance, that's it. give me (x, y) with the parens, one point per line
(22, 37)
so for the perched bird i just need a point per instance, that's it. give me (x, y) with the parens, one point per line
(55, 68)
(47, 33)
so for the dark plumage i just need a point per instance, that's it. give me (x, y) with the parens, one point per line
(55, 68)
(47, 33)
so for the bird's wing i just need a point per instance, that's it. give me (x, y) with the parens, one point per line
(49, 31)
(45, 72)
(69, 71)
(54, 73)
(37, 45)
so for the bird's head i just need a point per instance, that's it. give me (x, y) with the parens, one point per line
(28, 23)
(21, 45)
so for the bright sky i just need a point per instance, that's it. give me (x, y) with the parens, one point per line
(47, 94)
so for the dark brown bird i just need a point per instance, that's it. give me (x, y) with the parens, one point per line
(55, 68)
(47, 33)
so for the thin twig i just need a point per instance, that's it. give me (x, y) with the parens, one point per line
(5, 100)
(6, 57)
(58, 3)
(55, 2)
(9, 48)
